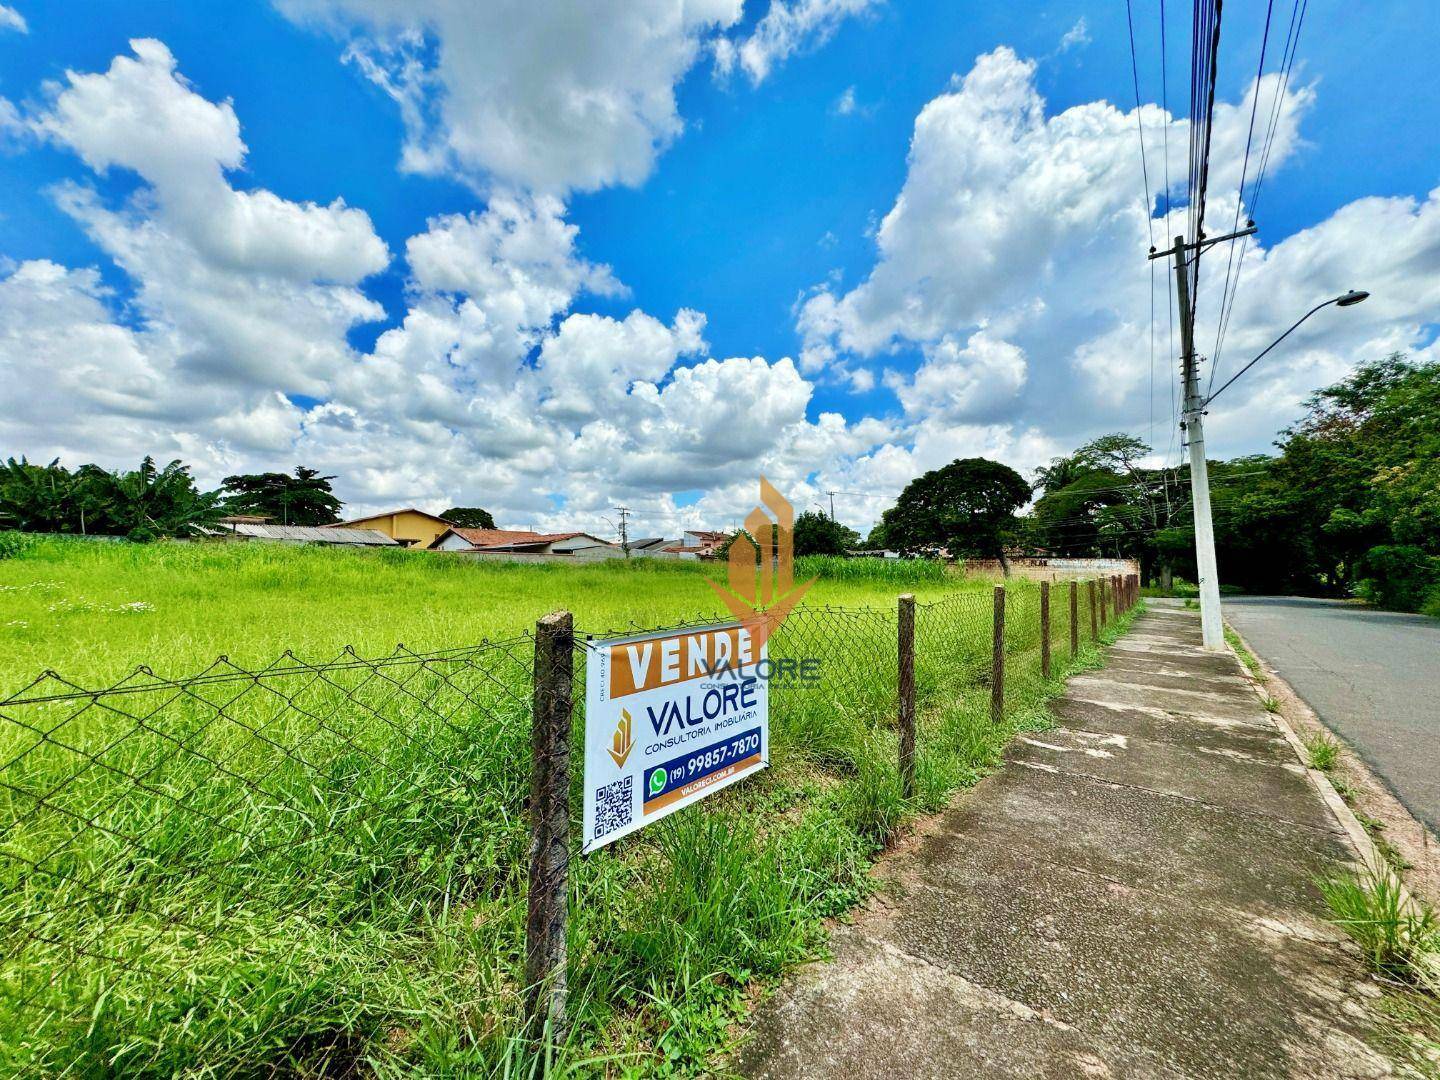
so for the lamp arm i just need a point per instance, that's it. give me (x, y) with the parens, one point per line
(1267, 348)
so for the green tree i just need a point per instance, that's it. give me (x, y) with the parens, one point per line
(302, 499)
(469, 517)
(148, 503)
(965, 508)
(1363, 467)
(816, 534)
(38, 498)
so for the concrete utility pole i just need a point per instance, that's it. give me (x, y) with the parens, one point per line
(624, 512)
(1192, 421)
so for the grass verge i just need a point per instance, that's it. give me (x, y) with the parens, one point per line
(1247, 658)
(1400, 939)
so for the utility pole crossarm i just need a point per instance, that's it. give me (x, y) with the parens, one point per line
(1203, 243)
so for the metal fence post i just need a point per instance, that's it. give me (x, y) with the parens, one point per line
(1074, 618)
(545, 956)
(907, 695)
(1045, 630)
(1094, 626)
(997, 664)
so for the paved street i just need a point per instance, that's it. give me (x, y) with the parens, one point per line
(1372, 676)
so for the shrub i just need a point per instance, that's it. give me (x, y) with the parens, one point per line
(1431, 606)
(15, 545)
(1399, 576)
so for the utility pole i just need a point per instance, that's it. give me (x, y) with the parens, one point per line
(832, 504)
(624, 511)
(1192, 423)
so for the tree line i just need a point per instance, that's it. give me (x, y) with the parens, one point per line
(1348, 506)
(149, 502)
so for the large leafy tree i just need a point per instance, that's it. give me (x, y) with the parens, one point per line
(816, 534)
(1102, 500)
(965, 508)
(1362, 471)
(469, 517)
(302, 499)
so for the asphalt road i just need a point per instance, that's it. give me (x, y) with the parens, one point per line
(1372, 676)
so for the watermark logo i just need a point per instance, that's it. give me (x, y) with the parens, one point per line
(760, 590)
(623, 740)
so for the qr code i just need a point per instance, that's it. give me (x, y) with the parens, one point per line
(614, 806)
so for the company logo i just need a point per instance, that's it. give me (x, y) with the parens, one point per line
(623, 740)
(760, 573)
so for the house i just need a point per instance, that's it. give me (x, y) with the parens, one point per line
(522, 542)
(232, 529)
(411, 527)
(651, 546)
(698, 544)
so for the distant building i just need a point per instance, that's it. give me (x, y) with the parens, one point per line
(411, 527)
(233, 529)
(521, 542)
(697, 544)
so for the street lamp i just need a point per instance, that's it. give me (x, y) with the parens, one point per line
(1349, 299)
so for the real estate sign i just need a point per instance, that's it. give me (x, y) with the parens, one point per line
(669, 719)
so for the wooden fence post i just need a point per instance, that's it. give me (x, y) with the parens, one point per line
(997, 663)
(907, 695)
(1045, 630)
(1104, 618)
(1094, 626)
(545, 956)
(1074, 618)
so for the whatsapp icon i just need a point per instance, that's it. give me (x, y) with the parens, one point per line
(657, 782)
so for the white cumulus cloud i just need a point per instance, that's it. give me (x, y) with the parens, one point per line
(536, 94)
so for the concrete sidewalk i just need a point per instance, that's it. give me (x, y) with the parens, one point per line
(1131, 896)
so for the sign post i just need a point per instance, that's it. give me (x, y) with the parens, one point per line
(670, 718)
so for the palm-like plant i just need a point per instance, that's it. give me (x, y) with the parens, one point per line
(37, 498)
(149, 502)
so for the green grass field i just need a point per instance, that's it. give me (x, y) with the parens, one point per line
(95, 610)
(323, 873)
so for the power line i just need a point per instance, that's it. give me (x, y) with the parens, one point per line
(1287, 63)
(1229, 289)
(1149, 202)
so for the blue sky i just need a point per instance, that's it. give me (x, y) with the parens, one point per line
(761, 189)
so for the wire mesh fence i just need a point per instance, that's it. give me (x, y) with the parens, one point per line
(182, 857)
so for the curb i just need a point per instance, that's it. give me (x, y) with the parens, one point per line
(1360, 839)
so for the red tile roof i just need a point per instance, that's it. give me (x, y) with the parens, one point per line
(488, 538)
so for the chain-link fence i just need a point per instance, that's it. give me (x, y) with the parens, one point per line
(181, 859)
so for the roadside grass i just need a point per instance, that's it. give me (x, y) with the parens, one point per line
(1400, 939)
(1322, 750)
(367, 914)
(1247, 658)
